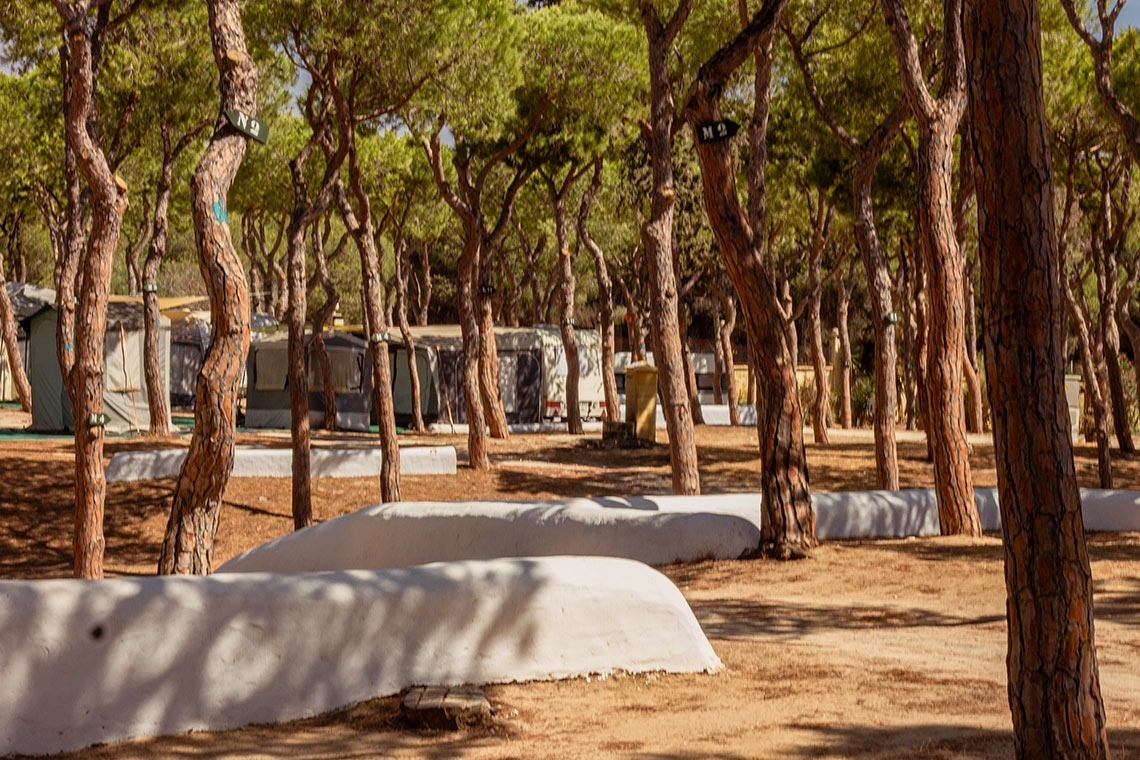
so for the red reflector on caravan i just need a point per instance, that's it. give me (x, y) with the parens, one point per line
(552, 404)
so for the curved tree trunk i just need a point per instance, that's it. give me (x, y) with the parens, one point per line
(1054, 683)
(788, 518)
(657, 237)
(188, 546)
(155, 388)
(821, 413)
(84, 380)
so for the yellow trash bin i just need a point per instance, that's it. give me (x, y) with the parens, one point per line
(641, 400)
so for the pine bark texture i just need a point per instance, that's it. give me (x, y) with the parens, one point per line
(377, 323)
(84, 378)
(605, 295)
(567, 291)
(1054, 689)
(156, 251)
(657, 239)
(188, 545)
(867, 154)
(788, 518)
(937, 121)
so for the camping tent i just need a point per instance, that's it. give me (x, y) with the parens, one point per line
(427, 369)
(267, 403)
(189, 339)
(26, 299)
(124, 386)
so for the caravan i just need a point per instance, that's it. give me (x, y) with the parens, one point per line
(532, 373)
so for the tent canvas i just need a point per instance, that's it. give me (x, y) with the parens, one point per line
(124, 384)
(26, 299)
(427, 369)
(267, 403)
(189, 338)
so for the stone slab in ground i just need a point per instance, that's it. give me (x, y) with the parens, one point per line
(444, 708)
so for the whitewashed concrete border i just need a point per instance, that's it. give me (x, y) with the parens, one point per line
(260, 461)
(83, 662)
(651, 529)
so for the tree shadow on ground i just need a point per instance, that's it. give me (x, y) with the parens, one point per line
(932, 741)
(744, 619)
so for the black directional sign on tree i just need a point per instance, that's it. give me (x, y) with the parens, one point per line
(248, 125)
(713, 131)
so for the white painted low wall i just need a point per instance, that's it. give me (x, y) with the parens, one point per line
(258, 461)
(84, 662)
(413, 533)
(652, 529)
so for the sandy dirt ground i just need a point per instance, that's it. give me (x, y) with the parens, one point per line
(869, 649)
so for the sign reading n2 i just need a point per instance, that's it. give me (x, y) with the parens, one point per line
(248, 125)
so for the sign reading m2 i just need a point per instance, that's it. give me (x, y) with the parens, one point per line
(248, 125)
(712, 131)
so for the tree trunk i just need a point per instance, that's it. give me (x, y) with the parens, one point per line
(719, 362)
(937, 121)
(821, 413)
(84, 381)
(155, 388)
(362, 231)
(488, 363)
(12, 348)
(567, 293)
(477, 455)
(1094, 388)
(946, 424)
(605, 295)
(657, 238)
(975, 407)
(1110, 338)
(842, 361)
(298, 375)
(188, 546)
(687, 363)
(1054, 683)
(325, 315)
(788, 524)
(423, 299)
(403, 264)
(728, 307)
